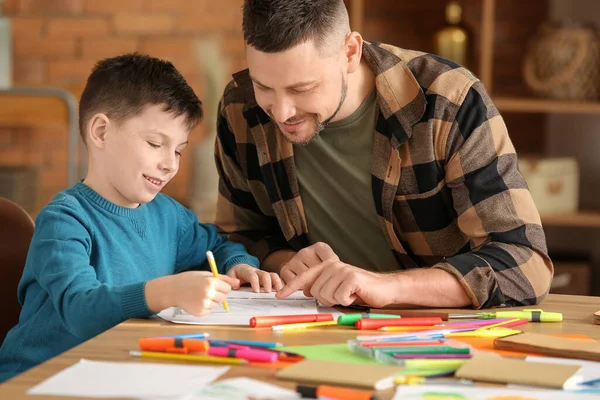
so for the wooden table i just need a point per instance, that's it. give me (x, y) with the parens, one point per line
(115, 344)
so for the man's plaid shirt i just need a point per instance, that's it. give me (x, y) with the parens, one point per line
(445, 181)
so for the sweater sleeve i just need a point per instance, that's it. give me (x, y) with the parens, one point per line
(59, 258)
(196, 239)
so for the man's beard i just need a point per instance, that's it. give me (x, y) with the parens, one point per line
(319, 126)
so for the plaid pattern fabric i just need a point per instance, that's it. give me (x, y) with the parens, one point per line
(444, 178)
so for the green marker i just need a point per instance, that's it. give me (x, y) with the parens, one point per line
(350, 319)
(424, 350)
(386, 358)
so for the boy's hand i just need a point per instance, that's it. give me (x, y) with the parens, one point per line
(256, 278)
(197, 292)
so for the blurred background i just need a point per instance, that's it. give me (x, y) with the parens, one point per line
(539, 59)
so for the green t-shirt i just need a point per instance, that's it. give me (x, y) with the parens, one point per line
(334, 177)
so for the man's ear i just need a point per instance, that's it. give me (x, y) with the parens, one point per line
(97, 130)
(353, 50)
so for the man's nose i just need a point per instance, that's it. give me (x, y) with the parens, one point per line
(283, 109)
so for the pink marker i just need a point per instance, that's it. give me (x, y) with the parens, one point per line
(246, 354)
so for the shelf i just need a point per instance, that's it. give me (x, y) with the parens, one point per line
(582, 219)
(518, 105)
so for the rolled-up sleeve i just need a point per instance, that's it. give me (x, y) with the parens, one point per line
(509, 263)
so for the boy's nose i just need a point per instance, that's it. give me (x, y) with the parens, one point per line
(169, 164)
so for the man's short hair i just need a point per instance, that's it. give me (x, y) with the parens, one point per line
(122, 86)
(273, 26)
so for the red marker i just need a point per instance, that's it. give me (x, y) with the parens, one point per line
(270, 320)
(379, 323)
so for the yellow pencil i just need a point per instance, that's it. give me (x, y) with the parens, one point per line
(510, 321)
(302, 325)
(187, 357)
(215, 271)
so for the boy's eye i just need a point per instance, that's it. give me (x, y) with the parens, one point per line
(154, 145)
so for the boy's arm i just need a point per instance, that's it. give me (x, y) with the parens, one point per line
(195, 239)
(59, 258)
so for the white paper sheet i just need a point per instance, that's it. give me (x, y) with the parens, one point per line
(246, 292)
(243, 389)
(240, 311)
(454, 392)
(128, 379)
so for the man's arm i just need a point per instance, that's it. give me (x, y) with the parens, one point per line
(277, 259)
(335, 282)
(508, 264)
(239, 214)
(430, 288)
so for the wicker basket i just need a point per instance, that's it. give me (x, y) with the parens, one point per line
(563, 62)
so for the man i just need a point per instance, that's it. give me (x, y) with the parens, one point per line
(363, 172)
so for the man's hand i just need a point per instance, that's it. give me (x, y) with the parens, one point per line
(334, 282)
(306, 258)
(256, 278)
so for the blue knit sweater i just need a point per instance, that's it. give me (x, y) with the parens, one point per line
(88, 263)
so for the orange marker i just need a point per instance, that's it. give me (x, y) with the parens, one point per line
(333, 392)
(174, 345)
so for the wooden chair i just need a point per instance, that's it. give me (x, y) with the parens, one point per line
(16, 231)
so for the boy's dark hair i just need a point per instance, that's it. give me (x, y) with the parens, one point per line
(122, 86)
(273, 26)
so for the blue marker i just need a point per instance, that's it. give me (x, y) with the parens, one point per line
(188, 336)
(218, 342)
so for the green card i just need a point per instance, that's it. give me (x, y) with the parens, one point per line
(329, 352)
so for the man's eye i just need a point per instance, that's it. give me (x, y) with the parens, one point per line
(301, 91)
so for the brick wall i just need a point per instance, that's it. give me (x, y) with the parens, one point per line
(56, 42)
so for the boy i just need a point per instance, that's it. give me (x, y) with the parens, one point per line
(111, 247)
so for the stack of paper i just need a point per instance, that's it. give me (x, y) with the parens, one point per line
(245, 304)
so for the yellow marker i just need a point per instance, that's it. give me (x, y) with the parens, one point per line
(187, 357)
(486, 333)
(302, 325)
(213, 268)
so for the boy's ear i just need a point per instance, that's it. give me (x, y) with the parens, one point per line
(97, 129)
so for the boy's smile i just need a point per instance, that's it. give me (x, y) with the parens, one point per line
(155, 182)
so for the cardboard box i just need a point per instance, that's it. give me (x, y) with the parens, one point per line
(553, 183)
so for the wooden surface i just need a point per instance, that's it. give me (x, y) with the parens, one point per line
(533, 105)
(581, 219)
(487, 43)
(115, 344)
(32, 111)
(357, 14)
